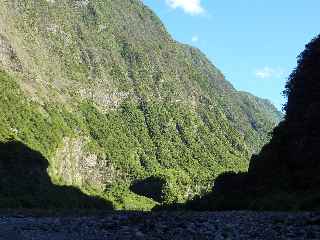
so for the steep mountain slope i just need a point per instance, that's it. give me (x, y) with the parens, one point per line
(108, 97)
(292, 156)
(285, 174)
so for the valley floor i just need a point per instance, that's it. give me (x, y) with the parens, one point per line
(161, 225)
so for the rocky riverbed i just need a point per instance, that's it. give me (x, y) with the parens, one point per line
(161, 225)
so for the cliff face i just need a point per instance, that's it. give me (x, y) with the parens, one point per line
(108, 97)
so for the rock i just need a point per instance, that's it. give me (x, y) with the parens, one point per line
(172, 226)
(9, 234)
(139, 234)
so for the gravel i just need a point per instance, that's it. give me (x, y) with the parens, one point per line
(162, 225)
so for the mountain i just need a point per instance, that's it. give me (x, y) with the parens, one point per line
(118, 108)
(285, 174)
(290, 162)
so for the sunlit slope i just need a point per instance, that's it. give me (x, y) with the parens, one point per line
(103, 91)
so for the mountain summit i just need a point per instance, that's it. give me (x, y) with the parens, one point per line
(119, 108)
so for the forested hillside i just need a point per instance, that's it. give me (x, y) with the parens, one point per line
(285, 174)
(116, 106)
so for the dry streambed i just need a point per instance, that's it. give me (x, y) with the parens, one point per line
(162, 225)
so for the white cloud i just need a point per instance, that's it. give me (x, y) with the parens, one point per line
(192, 7)
(194, 39)
(268, 72)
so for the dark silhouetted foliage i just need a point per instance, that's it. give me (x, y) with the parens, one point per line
(293, 153)
(285, 174)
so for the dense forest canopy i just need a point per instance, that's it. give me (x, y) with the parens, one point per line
(105, 94)
(285, 174)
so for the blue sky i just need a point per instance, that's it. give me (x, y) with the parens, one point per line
(253, 42)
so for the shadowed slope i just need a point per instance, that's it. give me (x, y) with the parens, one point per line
(24, 183)
(285, 175)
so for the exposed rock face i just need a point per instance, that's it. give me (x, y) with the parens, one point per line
(108, 97)
(8, 57)
(76, 167)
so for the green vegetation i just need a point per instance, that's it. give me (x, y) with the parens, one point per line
(104, 93)
(285, 174)
(41, 127)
